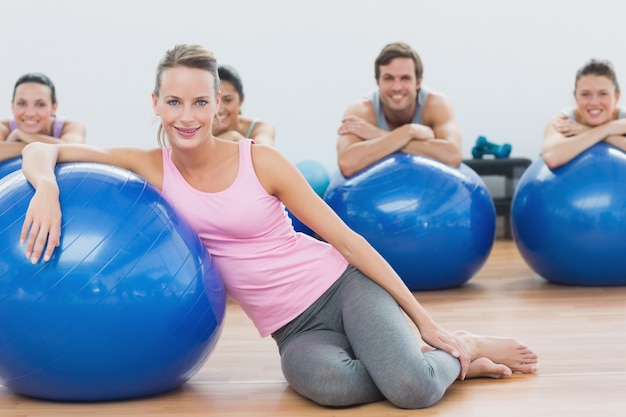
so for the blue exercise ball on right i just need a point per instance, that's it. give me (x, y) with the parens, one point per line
(433, 223)
(10, 165)
(130, 304)
(570, 223)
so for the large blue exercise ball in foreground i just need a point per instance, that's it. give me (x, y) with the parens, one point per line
(129, 305)
(9, 166)
(433, 223)
(570, 223)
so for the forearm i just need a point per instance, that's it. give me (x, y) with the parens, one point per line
(442, 150)
(37, 137)
(619, 141)
(360, 154)
(558, 150)
(10, 150)
(38, 163)
(372, 264)
(42, 223)
(440, 139)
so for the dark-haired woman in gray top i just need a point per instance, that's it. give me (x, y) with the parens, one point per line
(595, 118)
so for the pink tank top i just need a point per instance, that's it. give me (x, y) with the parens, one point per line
(271, 271)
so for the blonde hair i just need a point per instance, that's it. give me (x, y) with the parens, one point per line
(188, 56)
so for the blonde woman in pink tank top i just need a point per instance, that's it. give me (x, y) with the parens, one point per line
(335, 307)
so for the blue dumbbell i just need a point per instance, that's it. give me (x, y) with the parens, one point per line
(484, 147)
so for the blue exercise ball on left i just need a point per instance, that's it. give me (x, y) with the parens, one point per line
(129, 305)
(570, 223)
(433, 223)
(9, 166)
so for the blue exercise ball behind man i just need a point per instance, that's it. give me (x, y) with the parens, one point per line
(433, 223)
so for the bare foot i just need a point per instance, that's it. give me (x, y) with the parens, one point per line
(485, 368)
(501, 350)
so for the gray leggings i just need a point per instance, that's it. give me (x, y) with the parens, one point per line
(354, 346)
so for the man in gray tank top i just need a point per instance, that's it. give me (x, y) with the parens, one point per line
(400, 115)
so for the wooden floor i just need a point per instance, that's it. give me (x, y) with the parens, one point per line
(580, 334)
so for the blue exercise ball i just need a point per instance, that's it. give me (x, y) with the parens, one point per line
(570, 223)
(9, 166)
(129, 305)
(315, 174)
(433, 223)
(318, 178)
(298, 226)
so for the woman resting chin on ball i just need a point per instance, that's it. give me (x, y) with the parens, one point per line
(229, 123)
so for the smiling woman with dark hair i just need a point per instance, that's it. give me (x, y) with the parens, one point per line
(229, 123)
(595, 118)
(35, 119)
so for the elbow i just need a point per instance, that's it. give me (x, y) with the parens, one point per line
(553, 157)
(451, 154)
(37, 148)
(456, 157)
(552, 160)
(455, 160)
(346, 167)
(346, 172)
(30, 148)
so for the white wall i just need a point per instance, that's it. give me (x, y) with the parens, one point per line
(507, 66)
